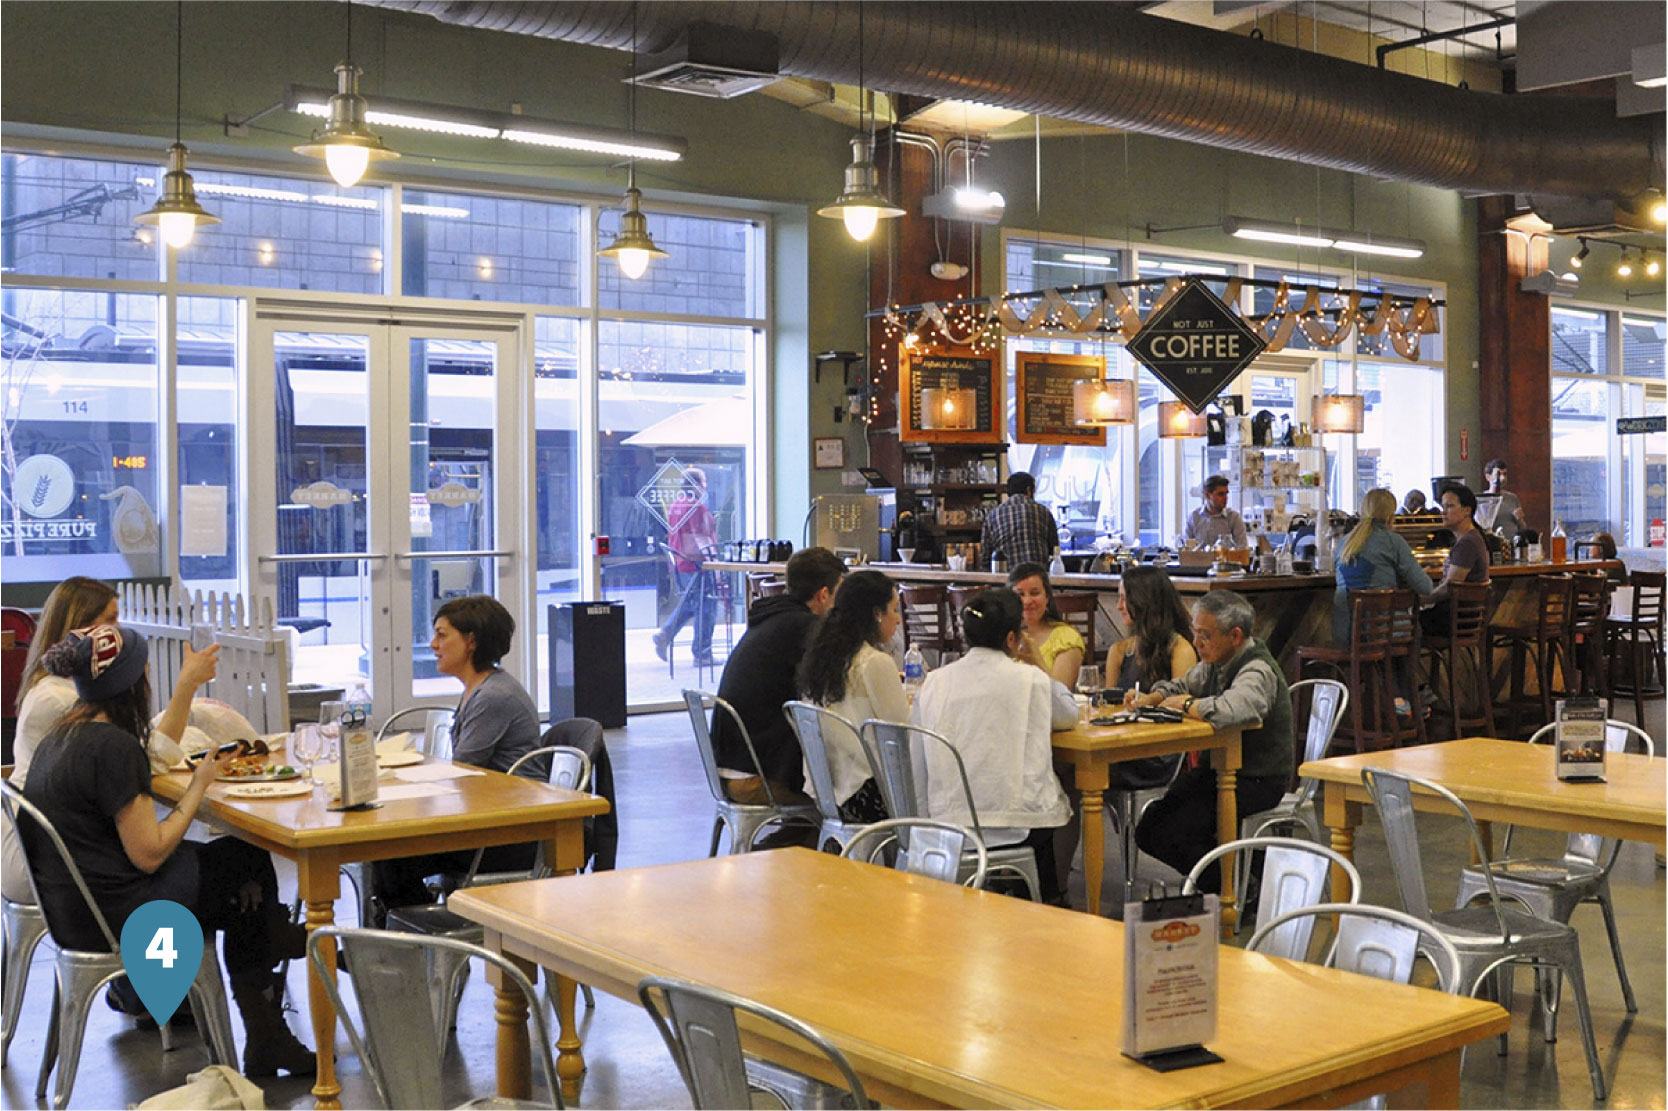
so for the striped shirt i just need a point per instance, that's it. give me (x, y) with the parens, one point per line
(1022, 530)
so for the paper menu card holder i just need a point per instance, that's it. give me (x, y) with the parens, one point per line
(1579, 736)
(358, 767)
(1170, 980)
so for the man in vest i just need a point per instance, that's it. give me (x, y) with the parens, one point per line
(1236, 682)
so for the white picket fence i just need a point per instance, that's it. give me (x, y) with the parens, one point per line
(254, 668)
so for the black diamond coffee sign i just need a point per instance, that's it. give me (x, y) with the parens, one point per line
(1196, 344)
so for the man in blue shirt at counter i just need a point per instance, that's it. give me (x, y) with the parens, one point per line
(1213, 520)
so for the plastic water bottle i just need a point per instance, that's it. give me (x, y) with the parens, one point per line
(915, 671)
(1056, 565)
(358, 706)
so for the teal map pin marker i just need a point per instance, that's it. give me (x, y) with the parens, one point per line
(162, 948)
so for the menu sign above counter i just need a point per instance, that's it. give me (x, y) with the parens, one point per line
(1044, 384)
(1196, 344)
(950, 370)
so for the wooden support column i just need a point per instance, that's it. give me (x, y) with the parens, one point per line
(1515, 359)
(903, 253)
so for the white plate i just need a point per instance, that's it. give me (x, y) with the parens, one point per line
(280, 790)
(264, 777)
(398, 759)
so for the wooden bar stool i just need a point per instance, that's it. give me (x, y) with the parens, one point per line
(1363, 667)
(1079, 609)
(1638, 637)
(927, 621)
(1404, 658)
(1592, 607)
(1545, 642)
(1467, 639)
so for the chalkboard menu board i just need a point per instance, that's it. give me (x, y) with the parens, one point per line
(952, 369)
(1044, 384)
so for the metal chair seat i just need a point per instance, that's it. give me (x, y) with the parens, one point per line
(742, 820)
(80, 974)
(23, 927)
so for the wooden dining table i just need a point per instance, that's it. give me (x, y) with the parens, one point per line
(1093, 749)
(474, 811)
(1502, 781)
(941, 996)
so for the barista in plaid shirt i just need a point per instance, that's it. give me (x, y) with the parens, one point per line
(1019, 528)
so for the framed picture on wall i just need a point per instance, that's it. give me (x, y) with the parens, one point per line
(830, 453)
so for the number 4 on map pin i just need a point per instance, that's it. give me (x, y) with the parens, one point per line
(162, 948)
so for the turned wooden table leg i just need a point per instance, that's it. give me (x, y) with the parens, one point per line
(320, 885)
(509, 1007)
(567, 852)
(1341, 818)
(1091, 784)
(1226, 761)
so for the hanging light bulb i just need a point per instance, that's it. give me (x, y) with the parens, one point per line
(1653, 266)
(347, 146)
(861, 204)
(1099, 402)
(633, 247)
(1177, 422)
(948, 408)
(176, 213)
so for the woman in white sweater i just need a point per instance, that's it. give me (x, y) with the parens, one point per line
(846, 670)
(998, 709)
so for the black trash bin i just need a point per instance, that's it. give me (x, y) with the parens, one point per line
(588, 662)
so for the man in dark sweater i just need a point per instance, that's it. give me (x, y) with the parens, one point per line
(1236, 682)
(759, 677)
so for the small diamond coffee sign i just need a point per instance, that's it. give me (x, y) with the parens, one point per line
(1196, 344)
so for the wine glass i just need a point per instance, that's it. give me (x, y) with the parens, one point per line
(1088, 682)
(307, 745)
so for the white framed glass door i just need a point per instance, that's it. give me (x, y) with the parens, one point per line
(378, 489)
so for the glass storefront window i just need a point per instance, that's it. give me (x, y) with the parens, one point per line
(713, 269)
(79, 440)
(469, 247)
(206, 400)
(1401, 445)
(286, 233)
(73, 217)
(556, 474)
(1581, 431)
(1579, 341)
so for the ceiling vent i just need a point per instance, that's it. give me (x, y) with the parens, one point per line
(713, 61)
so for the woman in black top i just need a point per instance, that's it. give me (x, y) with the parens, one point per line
(92, 780)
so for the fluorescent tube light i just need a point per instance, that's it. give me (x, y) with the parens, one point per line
(1379, 245)
(1265, 232)
(1087, 260)
(572, 141)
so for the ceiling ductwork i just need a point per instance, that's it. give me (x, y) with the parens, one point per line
(1109, 65)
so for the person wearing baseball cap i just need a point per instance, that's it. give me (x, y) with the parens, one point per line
(91, 777)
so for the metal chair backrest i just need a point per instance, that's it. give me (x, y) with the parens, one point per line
(14, 806)
(391, 983)
(568, 768)
(698, 1025)
(1371, 630)
(927, 847)
(1392, 794)
(1328, 699)
(898, 759)
(436, 742)
(1619, 736)
(1468, 606)
(810, 724)
(1079, 610)
(927, 621)
(1295, 874)
(697, 702)
(1372, 941)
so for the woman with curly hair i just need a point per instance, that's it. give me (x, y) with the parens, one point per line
(846, 670)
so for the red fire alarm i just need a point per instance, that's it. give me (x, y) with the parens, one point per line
(1465, 443)
(602, 545)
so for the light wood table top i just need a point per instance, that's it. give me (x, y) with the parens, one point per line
(942, 996)
(476, 810)
(1510, 781)
(1092, 749)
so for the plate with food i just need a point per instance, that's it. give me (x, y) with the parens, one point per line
(269, 789)
(246, 769)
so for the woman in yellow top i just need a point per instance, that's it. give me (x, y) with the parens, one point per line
(1055, 646)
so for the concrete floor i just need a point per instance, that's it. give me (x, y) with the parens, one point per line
(666, 816)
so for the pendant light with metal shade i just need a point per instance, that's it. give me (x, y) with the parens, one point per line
(1101, 402)
(633, 247)
(176, 212)
(861, 204)
(347, 146)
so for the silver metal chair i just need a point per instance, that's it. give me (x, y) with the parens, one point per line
(1128, 804)
(569, 768)
(897, 757)
(744, 821)
(1372, 941)
(1553, 888)
(698, 1025)
(1490, 938)
(1295, 874)
(22, 925)
(926, 847)
(79, 974)
(811, 724)
(395, 1047)
(1296, 811)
